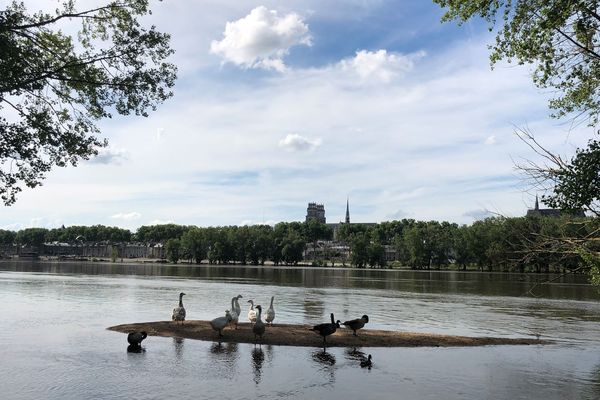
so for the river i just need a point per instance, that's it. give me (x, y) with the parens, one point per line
(55, 345)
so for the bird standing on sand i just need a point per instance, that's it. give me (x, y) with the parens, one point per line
(235, 316)
(259, 326)
(135, 338)
(357, 324)
(270, 313)
(238, 309)
(221, 322)
(179, 312)
(251, 312)
(326, 329)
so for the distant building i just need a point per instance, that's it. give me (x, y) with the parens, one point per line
(315, 211)
(335, 227)
(552, 212)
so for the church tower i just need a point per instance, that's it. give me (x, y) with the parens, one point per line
(347, 211)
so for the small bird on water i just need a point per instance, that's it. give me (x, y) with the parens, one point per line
(366, 363)
(135, 338)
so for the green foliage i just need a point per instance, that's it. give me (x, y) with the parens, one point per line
(31, 236)
(173, 250)
(55, 87)
(559, 38)
(160, 233)
(7, 237)
(577, 185)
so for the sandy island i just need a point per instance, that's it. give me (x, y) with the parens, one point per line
(301, 335)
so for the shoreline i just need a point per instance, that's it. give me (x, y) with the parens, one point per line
(302, 336)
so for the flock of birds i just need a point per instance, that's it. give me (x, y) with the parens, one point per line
(231, 318)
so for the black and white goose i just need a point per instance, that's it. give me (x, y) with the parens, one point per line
(259, 326)
(179, 312)
(327, 329)
(357, 324)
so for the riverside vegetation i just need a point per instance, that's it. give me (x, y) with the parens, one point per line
(494, 244)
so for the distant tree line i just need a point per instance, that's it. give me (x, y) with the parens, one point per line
(494, 244)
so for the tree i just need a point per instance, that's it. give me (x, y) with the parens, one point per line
(561, 39)
(173, 250)
(54, 86)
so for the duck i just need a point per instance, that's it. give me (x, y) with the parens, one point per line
(259, 326)
(357, 324)
(270, 316)
(235, 316)
(251, 312)
(327, 328)
(221, 322)
(135, 338)
(366, 363)
(179, 312)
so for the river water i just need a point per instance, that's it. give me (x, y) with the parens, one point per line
(54, 343)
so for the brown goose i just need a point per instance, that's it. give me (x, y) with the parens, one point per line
(179, 312)
(357, 324)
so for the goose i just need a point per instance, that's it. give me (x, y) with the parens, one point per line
(179, 312)
(135, 338)
(221, 322)
(235, 316)
(251, 312)
(326, 329)
(259, 326)
(366, 363)
(270, 313)
(238, 309)
(357, 324)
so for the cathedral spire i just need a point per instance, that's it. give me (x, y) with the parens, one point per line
(347, 210)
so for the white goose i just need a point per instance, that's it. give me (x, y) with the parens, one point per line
(179, 312)
(251, 312)
(270, 313)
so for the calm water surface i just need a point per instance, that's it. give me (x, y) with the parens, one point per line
(54, 344)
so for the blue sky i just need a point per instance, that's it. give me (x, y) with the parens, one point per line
(283, 103)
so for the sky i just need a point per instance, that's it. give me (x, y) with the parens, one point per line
(278, 104)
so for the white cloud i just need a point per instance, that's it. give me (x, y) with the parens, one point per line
(110, 155)
(490, 140)
(127, 216)
(261, 39)
(295, 142)
(380, 65)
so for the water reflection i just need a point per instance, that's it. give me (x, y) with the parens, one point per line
(224, 359)
(178, 344)
(490, 284)
(258, 357)
(135, 348)
(326, 361)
